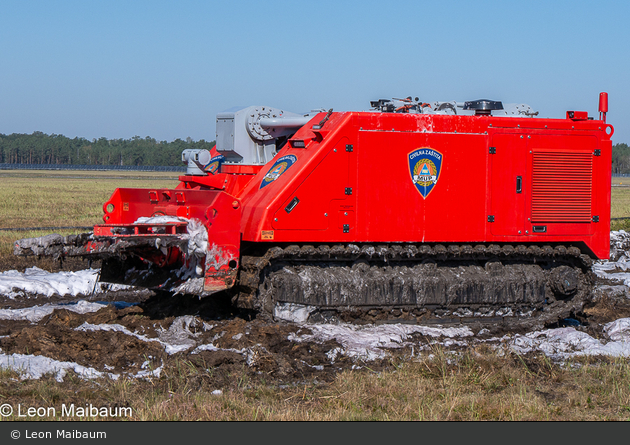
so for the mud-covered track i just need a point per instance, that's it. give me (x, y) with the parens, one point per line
(420, 282)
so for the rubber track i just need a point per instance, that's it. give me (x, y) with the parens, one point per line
(255, 265)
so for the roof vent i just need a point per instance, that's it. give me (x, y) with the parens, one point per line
(483, 107)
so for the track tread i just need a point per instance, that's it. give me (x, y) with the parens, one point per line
(254, 267)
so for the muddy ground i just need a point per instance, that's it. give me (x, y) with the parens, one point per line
(157, 330)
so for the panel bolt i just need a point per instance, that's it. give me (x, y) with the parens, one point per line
(325, 214)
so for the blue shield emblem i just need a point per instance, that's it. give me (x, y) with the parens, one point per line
(424, 167)
(277, 169)
(214, 164)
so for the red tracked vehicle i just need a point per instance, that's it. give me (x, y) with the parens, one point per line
(412, 211)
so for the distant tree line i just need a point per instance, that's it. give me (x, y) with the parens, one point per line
(621, 158)
(40, 148)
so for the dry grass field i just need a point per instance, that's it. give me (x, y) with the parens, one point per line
(65, 198)
(472, 384)
(61, 199)
(620, 203)
(469, 386)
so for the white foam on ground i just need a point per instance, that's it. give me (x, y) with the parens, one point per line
(36, 313)
(618, 330)
(36, 366)
(617, 268)
(619, 246)
(182, 333)
(368, 342)
(293, 312)
(149, 373)
(364, 343)
(36, 281)
(212, 347)
(563, 343)
(40, 282)
(251, 354)
(613, 271)
(177, 338)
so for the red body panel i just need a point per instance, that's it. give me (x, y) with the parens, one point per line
(563, 165)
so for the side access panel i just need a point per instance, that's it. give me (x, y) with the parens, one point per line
(508, 184)
(542, 185)
(320, 201)
(397, 202)
(562, 194)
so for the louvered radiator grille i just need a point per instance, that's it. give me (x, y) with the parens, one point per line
(561, 187)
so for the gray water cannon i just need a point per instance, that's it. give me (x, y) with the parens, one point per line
(196, 160)
(254, 135)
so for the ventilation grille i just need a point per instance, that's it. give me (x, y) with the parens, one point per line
(561, 187)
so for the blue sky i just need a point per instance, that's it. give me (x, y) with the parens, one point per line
(164, 69)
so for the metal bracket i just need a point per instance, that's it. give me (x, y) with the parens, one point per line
(597, 152)
(595, 218)
(349, 147)
(348, 190)
(346, 228)
(490, 218)
(492, 150)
